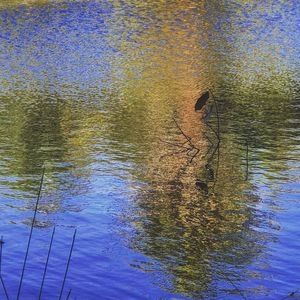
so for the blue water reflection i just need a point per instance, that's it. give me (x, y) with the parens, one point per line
(90, 89)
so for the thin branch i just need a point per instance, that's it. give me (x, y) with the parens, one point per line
(215, 132)
(174, 144)
(186, 149)
(208, 113)
(172, 153)
(217, 112)
(196, 153)
(188, 138)
(247, 161)
(217, 167)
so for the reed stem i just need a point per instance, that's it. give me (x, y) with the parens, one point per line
(46, 265)
(68, 264)
(31, 231)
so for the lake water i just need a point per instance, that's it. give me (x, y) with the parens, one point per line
(102, 94)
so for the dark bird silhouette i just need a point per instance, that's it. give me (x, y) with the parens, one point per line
(202, 186)
(201, 101)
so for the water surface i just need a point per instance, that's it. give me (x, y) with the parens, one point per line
(102, 94)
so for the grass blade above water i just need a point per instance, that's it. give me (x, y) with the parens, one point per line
(31, 230)
(46, 265)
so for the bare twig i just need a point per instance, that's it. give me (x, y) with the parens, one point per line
(195, 154)
(218, 163)
(208, 113)
(217, 113)
(247, 161)
(188, 138)
(172, 153)
(215, 132)
(174, 144)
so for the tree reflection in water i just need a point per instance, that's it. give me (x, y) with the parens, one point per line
(204, 243)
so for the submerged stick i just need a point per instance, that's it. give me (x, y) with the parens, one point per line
(46, 265)
(2, 281)
(67, 268)
(218, 164)
(215, 132)
(188, 138)
(175, 144)
(217, 113)
(31, 230)
(171, 154)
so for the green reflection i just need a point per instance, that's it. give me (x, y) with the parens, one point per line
(117, 76)
(42, 128)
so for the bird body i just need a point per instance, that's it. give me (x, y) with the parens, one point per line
(202, 186)
(201, 101)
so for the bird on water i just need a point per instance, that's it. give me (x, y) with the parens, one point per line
(201, 101)
(202, 186)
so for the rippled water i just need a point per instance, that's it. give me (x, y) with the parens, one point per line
(102, 93)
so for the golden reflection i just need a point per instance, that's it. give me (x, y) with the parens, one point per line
(184, 228)
(159, 60)
(159, 75)
(177, 223)
(10, 3)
